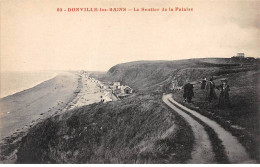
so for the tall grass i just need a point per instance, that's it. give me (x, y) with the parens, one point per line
(242, 117)
(138, 129)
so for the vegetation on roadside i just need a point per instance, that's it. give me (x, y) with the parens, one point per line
(242, 118)
(138, 129)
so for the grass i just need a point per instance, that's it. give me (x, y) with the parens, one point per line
(242, 118)
(138, 129)
(216, 143)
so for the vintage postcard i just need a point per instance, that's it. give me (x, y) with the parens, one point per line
(129, 82)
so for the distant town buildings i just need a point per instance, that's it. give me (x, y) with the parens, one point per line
(126, 89)
(121, 91)
(113, 90)
(116, 85)
(118, 90)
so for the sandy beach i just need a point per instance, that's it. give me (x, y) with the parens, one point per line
(66, 91)
(89, 92)
(23, 109)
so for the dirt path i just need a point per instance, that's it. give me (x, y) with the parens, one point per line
(235, 152)
(202, 151)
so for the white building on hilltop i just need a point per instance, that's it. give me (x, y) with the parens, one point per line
(240, 55)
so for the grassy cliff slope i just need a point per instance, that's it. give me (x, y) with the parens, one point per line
(136, 130)
(150, 75)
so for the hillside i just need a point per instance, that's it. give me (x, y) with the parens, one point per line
(136, 130)
(141, 128)
(150, 75)
(242, 119)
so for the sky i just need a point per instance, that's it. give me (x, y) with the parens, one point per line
(34, 36)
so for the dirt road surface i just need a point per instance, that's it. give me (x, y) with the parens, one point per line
(202, 151)
(235, 152)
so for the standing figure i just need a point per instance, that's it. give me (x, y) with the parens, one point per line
(224, 94)
(210, 90)
(188, 92)
(102, 99)
(203, 83)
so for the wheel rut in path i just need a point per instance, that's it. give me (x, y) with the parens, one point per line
(235, 152)
(202, 151)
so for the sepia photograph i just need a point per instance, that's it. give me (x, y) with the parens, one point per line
(129, 82)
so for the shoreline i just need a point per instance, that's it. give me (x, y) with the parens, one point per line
(16, 135)
(26, 108)
(82, 90)
(31, 86)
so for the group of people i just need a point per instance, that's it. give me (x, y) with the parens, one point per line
(210, 94)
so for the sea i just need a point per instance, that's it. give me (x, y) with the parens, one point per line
(13, 82)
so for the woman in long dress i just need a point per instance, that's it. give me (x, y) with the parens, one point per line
(210, 90)
(224, 94)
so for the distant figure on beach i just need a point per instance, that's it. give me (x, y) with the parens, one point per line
(224, 94)
(102, 100)
(188, 91)
(210, 90)
(203, 83)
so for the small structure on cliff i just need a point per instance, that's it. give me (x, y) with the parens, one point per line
(116, 85)
(121, 91)
(126, 89)
(240, 55)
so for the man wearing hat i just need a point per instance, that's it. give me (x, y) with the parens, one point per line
(203, 83)
(188, 91)
(224, 94)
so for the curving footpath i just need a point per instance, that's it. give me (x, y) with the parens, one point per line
(235, 152)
